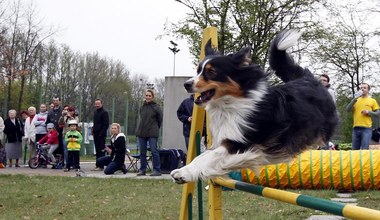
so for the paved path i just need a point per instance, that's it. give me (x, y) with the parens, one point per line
(85, 166)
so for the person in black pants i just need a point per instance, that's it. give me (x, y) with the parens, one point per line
(114, 161)
(99, 130)
(184, 114)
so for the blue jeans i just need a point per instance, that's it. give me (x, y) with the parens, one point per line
(111, 166)
(361, 137)
(155, 154)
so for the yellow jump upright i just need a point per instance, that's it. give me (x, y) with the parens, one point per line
(197, 125)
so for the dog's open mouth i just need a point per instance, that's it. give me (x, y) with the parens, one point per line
(205, 97)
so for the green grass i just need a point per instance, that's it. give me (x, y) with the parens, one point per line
(44, 197)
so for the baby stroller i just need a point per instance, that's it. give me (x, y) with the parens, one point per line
(42, 159)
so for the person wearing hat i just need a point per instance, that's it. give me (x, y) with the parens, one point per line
(73, 139)
(51, 141)
(68, 114)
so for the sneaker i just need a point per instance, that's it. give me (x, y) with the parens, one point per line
(97, 169)
(66, 170)
(155, 173)
(141, 173)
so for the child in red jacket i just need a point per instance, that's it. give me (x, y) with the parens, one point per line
(51, 140)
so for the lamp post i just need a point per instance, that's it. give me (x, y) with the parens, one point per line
(175, 50)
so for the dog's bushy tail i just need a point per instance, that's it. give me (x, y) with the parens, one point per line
(280, 61)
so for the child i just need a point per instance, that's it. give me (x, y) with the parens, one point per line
(51, 140)
(3, 156)
(73, 139)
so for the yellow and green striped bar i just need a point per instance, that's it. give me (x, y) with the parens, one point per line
(336, 208)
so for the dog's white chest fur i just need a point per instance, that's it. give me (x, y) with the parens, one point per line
(228, 115)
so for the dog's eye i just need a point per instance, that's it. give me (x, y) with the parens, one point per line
(210, 73)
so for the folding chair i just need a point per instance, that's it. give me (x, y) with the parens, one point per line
(134, 160)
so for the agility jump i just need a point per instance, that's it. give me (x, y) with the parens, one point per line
(215, 205)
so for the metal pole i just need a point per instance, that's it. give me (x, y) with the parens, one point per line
(174, 66)
(113, 110)
(126, 117)
(336, 208)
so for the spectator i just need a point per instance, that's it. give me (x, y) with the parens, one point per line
(51, 140)
(51, 106)
(147, 131)
(3, 155)
(115, 161)
(30, 131)
(363, 107)
(325, 80)
(184, 114)
(40, 122)
(24, 116)
(55, 113)
(99, 130)
(68, 114)
(53, 117)
(1, 130)
(13, 131)
(74, 140)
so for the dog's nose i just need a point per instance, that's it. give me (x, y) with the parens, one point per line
(188, 85)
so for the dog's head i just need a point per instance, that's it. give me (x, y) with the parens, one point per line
(219, 75)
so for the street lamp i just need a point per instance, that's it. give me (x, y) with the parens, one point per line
(175, 50)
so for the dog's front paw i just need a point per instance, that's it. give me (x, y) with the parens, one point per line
(183, 175)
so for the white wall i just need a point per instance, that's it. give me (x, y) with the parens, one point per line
(175, 93)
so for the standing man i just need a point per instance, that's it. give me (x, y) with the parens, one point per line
(325, 80)
(184, 114)
(363, 107)
(99, 130)
(53, 117)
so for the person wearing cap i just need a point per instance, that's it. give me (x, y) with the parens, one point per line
(73, 139)
(68, 114)
(51, 141)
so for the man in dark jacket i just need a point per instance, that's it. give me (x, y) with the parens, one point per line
(184, 114)
(53, 117)
(99, 130)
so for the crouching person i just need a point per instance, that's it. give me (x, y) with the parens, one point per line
(115, 160)
(73, 139)
(51, 141)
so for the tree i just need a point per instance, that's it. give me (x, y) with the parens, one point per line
(240, 23)
(345, 48)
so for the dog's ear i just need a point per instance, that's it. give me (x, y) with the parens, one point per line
(209, 50)
(243, 57)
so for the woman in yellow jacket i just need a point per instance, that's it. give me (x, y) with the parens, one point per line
(73, 139)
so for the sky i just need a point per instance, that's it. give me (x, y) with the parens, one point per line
(124, 30)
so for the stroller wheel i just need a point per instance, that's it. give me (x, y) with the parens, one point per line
(33, 163)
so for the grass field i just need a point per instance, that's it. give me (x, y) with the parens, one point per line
(44, 197)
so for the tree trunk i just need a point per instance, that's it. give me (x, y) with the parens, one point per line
(21, 93)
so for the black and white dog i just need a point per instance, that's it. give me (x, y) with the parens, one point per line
(253, 124)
